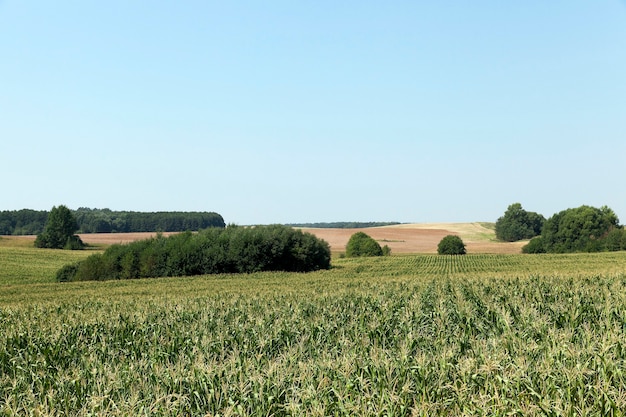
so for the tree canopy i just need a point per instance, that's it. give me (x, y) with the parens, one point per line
(59, 231)
(451, 245)
(234, 249)
(31, 222)
(518, 224)
(582, 229)
(361, 244)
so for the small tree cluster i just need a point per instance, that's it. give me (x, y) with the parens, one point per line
(230, 250)
(451, 245)
(59, 231)
(361, 244)
(582, 229)
(518, 224)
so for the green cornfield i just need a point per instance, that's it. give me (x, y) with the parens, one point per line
(422, 335)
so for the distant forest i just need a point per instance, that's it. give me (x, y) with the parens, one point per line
(343, 225)
(32, 222)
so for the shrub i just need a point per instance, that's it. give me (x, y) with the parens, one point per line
(534, 246)
(230, 250)
(581, 229)
(614, 240)
(451, 245)
(361, 244)
(67, 273)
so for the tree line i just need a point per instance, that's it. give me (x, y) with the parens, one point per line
(343, 225)
(580, 229)
(233, 249)
(32, 222)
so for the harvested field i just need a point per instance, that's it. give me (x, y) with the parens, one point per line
(422, 237)
(113, 238)
(402, 238)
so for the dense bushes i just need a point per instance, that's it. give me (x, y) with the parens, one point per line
(361, 244)
(451, 245)
(582, 229)
(535, 245)
(230, 250)
(518, 224)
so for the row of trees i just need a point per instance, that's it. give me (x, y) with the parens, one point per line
(22, 222)
(343, 225)
(233, 249)
(32, 222)
(581, 229)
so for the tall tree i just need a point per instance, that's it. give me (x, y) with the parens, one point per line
(518, 224)
(59, 231)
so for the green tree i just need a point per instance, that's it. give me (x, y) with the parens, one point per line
(581, 229)
(451, 245)
(230, 250)
(59, 231)
(361, 244)
(534, 246)
(518, 224)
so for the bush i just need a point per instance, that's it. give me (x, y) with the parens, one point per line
(581, 229)
(361, 244)
(534, 246)
(451, 245)
(67, 273)
(231, 250)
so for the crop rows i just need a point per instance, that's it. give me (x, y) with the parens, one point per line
(401, 336)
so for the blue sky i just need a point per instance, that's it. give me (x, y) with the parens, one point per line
(289, 111)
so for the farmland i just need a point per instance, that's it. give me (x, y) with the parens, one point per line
(482, 334)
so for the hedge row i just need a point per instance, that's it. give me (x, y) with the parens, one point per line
(231, 250)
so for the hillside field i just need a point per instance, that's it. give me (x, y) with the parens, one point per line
(414, 335)
(423, 237)
(402, 238)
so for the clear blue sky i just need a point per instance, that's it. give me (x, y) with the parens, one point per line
(294, 111)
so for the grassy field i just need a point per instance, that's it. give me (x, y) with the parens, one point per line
(401, 335)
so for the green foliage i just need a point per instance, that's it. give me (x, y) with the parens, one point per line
(108, 221)
(534, 246)
(421, 335)
(31, 222)
(22, 222)
(582, 229)
(59, 231)
(231, 250)
(518, 224)
(451, 245)
(343, 225)
(361, 244)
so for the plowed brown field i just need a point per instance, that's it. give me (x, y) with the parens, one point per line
(402, 239)
(422, 238)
